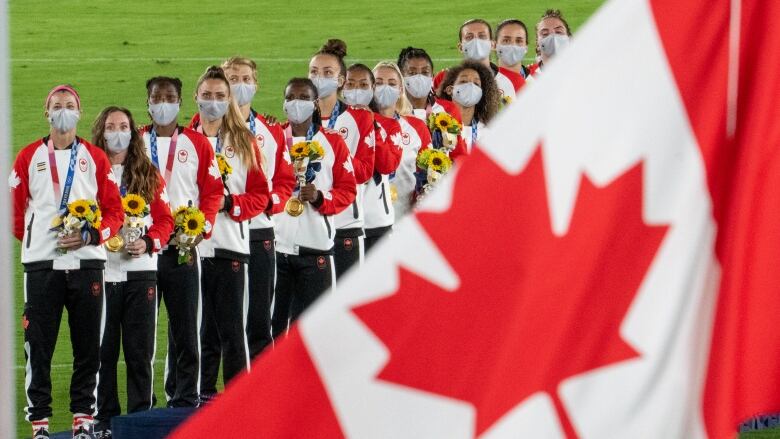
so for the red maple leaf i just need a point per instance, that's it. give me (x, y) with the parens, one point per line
(532, 308)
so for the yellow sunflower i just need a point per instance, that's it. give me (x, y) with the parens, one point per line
(439, 161)
(134, 204)
(443, 121)
(224, 167)
(79, 208)
(194, 222)
(299, 150)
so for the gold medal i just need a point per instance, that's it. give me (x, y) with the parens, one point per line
(294, 206)
(115, 243)
(393, 193)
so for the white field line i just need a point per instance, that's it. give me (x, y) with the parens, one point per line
(70, 365)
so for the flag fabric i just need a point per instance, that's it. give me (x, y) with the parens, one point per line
(8, 413)
(605, 264)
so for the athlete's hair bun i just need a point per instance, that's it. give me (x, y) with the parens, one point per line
(335, 47)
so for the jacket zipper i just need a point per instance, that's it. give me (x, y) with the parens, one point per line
(327, 224)
(384, 200)
(29, 230)
(241, 227)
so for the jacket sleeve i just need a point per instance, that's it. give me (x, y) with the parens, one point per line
(19, 183)
(209, 181)
(254, 200)
(162, 219)
(284, 178)
(363, 160)
(388, 146)
(108, 197)
(344, 188)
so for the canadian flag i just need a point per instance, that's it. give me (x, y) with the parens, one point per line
(606, 264)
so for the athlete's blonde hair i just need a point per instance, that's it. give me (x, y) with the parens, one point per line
(234, 128)
(240, 61)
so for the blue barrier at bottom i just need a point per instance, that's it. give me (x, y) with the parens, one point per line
(150, 424)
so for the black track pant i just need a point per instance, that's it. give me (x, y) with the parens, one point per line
(225, 300)
(131, 318)
(348, 250)
(375, 235)
(262, 273)
(179, 288)
(300, 280)
(46, 293)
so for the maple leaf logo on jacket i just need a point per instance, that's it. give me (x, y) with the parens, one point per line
(13, 179)
(563, 306)
(397, 139)
(214, 170)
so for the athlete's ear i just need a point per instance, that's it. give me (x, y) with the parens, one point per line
(342, 80)
(46, 114)
(460, 47)
(449, 89)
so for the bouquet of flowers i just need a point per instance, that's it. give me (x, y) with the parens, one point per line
(79, 216)
(189, 222)
(444, 130)
(136, 209)
(306, 157)
(224, 167)
(432, 164)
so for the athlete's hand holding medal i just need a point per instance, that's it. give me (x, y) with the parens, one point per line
(306, 157)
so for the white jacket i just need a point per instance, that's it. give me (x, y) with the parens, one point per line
(248, 190)
(36, 206)
(313, 231)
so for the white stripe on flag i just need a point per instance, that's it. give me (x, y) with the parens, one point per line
(7, 320)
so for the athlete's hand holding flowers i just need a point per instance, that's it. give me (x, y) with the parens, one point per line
(77, 226)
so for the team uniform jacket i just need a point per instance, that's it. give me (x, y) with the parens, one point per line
(194, 176)
(248, 190)
(278, 167)
(35, 206)
(377, 201)
(158, 226)
(414, 138)
(509, 83)
(356, 127)
(313, 231)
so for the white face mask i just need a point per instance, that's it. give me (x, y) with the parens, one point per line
(386, 95)
(476, 49)
(418, 86)
(553, 44)
(467, 94)
(510, 54)
(358, 96)
(298, 110)
(212, 109)
(243, 92)
(64, 120)
(325, 86)
(164, 113)
(117, 141)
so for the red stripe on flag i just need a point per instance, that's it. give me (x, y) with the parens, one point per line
(743, 174)
(281, 395)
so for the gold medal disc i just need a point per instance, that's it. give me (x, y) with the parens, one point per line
(294, 206)
(115, 243)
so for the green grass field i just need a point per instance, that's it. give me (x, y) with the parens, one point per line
(108, 49)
